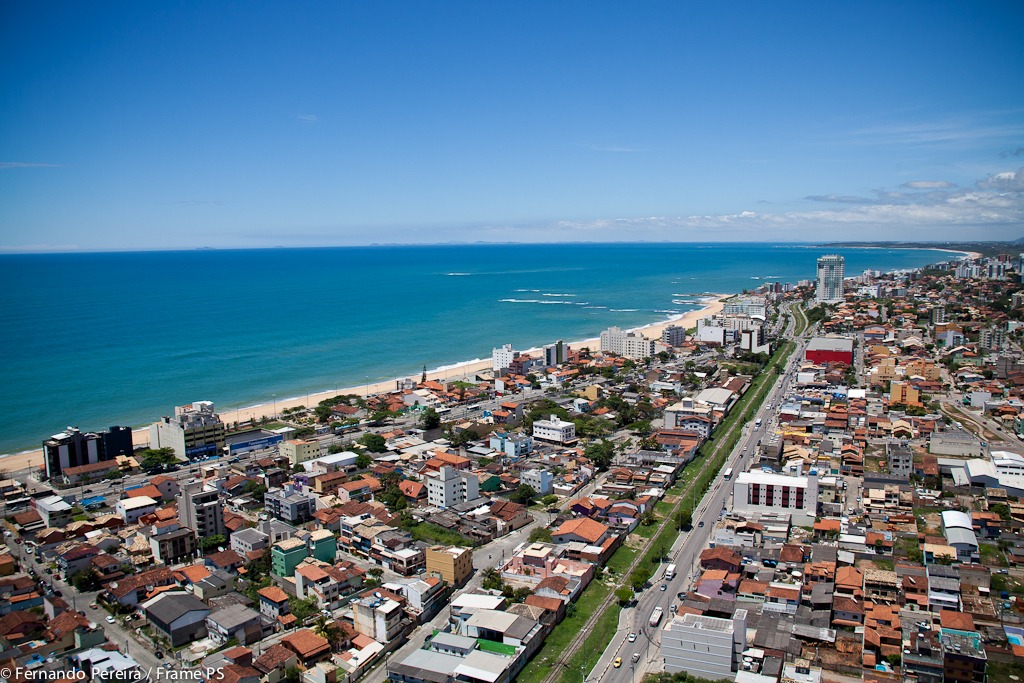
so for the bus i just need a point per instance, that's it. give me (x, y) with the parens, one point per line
(670, 572)
(728, 473)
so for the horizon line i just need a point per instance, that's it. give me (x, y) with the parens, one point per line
(903, 244)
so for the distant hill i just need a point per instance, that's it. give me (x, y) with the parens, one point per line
(983, 248)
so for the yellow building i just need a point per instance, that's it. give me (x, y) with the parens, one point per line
(452, 565)
(300, 450)
(901, 392)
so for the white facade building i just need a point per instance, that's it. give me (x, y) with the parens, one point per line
(501, 359)
(746, 305)
(760, 492)
(449, 486)
(555, 430)
(130, 509)
(706, 647)
(831, 269)
(627, 344)
(539, 480)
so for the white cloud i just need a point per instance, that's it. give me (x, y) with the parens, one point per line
(26, 164)
(996, 204)
(928, 185)
(308, 118)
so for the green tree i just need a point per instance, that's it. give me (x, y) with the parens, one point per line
(684, 519)
(292, 674)
(524, 494)
(157, 458)
(540, 534)
(601, 453)
(323, 413)
(624, 595)
(374, 443)
(208, 542)
(430, 419)
(364, 461)
(492, 579)
(549, 499)
(86, 580)
(303, 609)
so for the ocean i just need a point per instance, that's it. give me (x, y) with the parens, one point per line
(100, 339)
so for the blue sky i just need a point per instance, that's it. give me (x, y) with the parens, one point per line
(176, 125)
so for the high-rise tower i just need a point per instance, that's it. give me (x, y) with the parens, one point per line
(830, 279)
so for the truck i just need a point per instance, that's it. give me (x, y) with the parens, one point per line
(656, 616)
(757, 422)
(670, 572)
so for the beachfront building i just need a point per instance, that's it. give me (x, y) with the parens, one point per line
(554, 354)
(501, 358)
(200, 509)
(753, 306)
(555, 430)
(831, 269)
(195, 432)
(74, 448)
(627, 344)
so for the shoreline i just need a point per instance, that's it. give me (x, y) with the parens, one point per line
(711, 304)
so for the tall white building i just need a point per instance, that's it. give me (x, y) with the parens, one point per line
(627, 344)
(449, 486)
(501, 358)
(706, 647)
(200, 509)
(831, 269)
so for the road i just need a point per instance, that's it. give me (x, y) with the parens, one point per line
(685, 553)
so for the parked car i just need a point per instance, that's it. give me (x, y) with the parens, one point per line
(110, 619)
(158, 654)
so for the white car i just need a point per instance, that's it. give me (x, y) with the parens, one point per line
(110, 619)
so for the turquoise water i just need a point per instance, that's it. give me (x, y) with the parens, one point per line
(94, 340)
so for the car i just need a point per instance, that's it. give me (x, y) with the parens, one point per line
(158, 654)
(326, 612)
(110, 619)
(700, 523)
(632, 637)
(664, 586)
(617, 663)
(681, 595)
(49, 571)
(93, 605)
(58, 594)
(168, 665)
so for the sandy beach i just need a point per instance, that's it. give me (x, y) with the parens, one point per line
(712, 305)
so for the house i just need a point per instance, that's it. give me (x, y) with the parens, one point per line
(237, 621)
(583, 530)
(721, 558)
(131, 590)
(273, 602)
(178, 616)
(274, 661)
(308, 647)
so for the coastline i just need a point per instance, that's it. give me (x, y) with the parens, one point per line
(711, 305)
